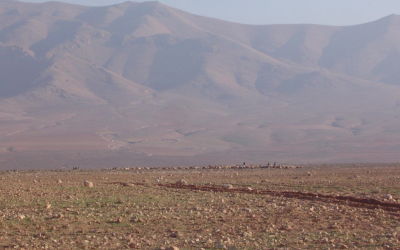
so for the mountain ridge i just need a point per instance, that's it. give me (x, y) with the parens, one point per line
(157, 82)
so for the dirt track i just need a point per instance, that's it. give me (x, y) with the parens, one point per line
(347, 200)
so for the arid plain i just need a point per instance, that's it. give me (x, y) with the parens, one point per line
(215, 207)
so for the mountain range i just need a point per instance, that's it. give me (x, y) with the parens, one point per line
(148, 84)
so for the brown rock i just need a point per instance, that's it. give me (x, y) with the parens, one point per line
(88, 184)
(172, 248)
(286, 227)
(133, 245)
(181, 182)
(174, 235)
(227, 186)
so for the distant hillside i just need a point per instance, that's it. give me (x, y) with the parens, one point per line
(147, 80)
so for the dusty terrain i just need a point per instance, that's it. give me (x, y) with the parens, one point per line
(313, 207)
(155, 81)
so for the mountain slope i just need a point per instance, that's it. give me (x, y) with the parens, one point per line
(147, 81)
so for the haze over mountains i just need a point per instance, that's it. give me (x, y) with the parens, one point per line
(144, 83)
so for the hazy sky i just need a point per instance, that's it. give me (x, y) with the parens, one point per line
(332, 12)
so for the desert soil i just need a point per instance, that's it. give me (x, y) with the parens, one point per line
(218, 207)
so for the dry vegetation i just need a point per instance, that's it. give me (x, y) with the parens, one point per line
(198, 209)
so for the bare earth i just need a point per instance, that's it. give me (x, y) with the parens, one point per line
(312, 207)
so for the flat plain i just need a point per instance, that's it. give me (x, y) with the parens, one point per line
(214, 207)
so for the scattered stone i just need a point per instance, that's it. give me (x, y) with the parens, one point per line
(247, 234)
(172, 248)
(388, 196)
(134, 245)
(59, 181)
(209, 242)
(211, 215)
(181, 182)
(227, 186)
(134, 219)
(59, 216)
(334, 226)
(286, 227)
(174, 235)
(88, 184)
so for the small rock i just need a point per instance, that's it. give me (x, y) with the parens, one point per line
(174, 235)
(59, 181)
(181, 182)
(88, 184)
(172, 248)
(209, 242)
(388, 196)
(59, 216)
(334, 226)
(21, 216)
(286, 227)
(48, 206)
(133, 245)
(227, 186)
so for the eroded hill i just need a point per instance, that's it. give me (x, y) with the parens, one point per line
(150, 82)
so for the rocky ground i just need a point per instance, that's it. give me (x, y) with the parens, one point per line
(216, 207)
